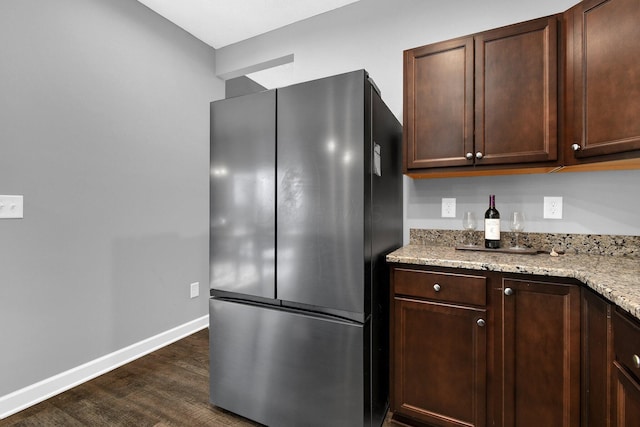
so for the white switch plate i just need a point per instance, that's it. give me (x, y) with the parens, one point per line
(194, 289)
(448, 208)
(11, 207)
(552, 208)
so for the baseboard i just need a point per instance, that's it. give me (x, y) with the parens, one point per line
(36, 393)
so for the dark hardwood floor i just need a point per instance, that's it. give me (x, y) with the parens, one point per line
(169, 387)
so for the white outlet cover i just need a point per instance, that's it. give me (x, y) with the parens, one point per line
(552, 208)
(11, 207)
(194, 289)
(448, 208)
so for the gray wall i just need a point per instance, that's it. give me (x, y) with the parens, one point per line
(593, 202)
(372, 34)
(104, 128)
(241, 86)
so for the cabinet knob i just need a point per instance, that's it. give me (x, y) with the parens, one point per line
(508, 291)
(469, 156)
(575, 147)
(479, 155)
(636, 361)
(481, 322)
(436, 287)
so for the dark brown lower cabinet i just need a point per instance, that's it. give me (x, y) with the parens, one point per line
(597, 360)
(540, 347)
(485, 349)
(494, 349)
(439, 356)
(627, 398)
(626, 371)
(439, 363)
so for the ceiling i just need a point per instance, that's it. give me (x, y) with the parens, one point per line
(223, 22)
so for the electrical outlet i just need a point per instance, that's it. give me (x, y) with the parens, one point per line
(552, 208)
(448, 208)
(194, 289)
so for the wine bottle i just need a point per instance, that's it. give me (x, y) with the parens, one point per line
(492, 225)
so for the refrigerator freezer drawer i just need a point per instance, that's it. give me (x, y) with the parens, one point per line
(283, 368)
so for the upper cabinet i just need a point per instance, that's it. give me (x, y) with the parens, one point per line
(488, 99)
(603, 80)
(438, 105)
(555, 93)
(516, 93)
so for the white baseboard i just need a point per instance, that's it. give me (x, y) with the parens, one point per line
(36, 393)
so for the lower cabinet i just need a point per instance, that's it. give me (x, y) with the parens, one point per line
(440, 363)
(538, 338)
(597, 360)
(439, 348)
(627, 399)
(507, 357)
(626, 372)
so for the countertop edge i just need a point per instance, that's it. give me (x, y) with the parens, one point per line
(591, 270)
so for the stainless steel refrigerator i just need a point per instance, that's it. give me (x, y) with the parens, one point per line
(306, 201)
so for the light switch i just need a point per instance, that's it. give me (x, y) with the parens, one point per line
(11, 207)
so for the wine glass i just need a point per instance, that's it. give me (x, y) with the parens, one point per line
(517, 226)
(469, 224)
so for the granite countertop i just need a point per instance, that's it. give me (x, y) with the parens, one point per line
(617, 278)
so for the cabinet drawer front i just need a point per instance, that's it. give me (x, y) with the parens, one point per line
(626, 343)
(459, 288)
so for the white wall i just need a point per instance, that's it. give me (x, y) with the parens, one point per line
(372, 34)
(104, 128)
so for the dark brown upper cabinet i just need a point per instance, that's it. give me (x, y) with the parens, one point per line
(603, 81)
(438, 104)
(485, 100)
(517, 93)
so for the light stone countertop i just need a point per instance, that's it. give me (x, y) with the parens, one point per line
(616, 278)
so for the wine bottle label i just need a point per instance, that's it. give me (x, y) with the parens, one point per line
(492, 229)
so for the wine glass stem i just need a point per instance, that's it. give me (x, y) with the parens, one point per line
(516, 233)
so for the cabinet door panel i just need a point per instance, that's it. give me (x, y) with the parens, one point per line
(541, 339)
(439, 363)
(438, 104)
(626, 389)
(597, 360)
(516, 93)
(606, 77)
(627, 399)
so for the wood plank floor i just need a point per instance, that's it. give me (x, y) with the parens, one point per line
(169, 387)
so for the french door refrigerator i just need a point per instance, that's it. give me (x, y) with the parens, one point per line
(306, 201)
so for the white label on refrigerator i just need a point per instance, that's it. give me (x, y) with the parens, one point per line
(376, 159)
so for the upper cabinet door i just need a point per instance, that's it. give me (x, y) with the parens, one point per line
(438, 104)
(605, 63)
(516, 93)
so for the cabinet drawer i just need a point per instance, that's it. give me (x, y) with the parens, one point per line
(626, 343)
(458, 288)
